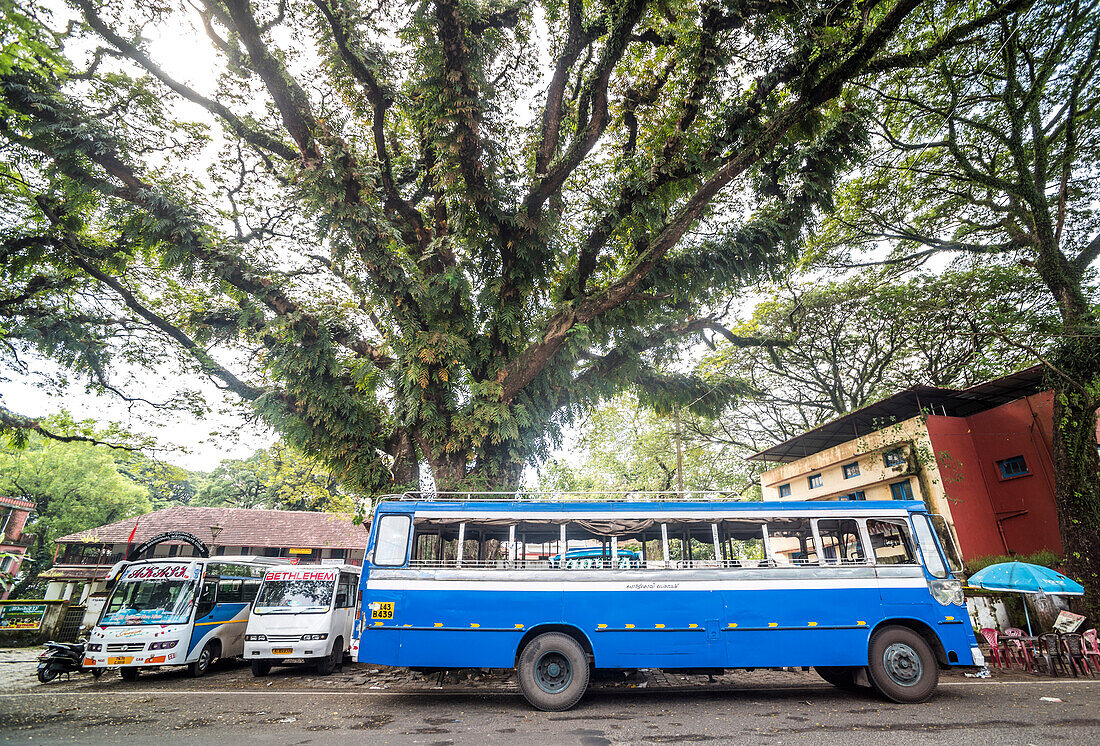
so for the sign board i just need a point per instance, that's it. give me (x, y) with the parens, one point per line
(299, 551)
(22, 616)
(183, 536)
(1067, 621)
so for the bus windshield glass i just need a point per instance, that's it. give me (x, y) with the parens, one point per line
(294, 597)
(153, 594)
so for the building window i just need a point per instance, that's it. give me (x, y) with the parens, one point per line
(901, 490)
(785, 490)
(1013, 467)
(857, 495)
(894, 458)
(6, 564)
(337, 553)
(815, 481)
(851, 470)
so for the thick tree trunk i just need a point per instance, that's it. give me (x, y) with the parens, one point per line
(1077, 488)
(406, 466)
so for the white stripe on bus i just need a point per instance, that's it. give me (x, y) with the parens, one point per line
(642, 585)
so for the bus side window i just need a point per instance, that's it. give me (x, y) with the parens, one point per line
(840, 541)
(250, 588)
(891, 542)
(792, 541)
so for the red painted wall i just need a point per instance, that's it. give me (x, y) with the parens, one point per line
(967, 452)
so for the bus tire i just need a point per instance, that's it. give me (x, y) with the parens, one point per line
(199, 667)
(261, 668)
(553, 672)
(902, 666)
(842, 677)
(129, 674)
(97, 672)
(327, 665)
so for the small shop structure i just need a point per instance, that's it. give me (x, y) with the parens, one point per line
(981, 457)
(82, 560)
(14, 512)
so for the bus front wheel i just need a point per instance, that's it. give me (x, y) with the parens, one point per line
(328, 664)
(903, 667)
(553, 672)
(261, 668)
(199, 667)
(129, 674)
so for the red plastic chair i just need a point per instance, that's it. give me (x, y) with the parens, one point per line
(1017, 650)
(1091, 649)
(995, 652)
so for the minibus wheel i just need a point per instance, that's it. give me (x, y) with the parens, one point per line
(553, 672)
(202, 665)
(903, 667)
(129, 674)
(327, 665)
(842, 677)
(261, 668)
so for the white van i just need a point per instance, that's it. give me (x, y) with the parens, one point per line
(305, 612)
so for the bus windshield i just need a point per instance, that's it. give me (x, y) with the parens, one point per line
(152, 594)
(294, 597)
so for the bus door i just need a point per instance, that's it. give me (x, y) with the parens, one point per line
(205, 612)
(903, 589)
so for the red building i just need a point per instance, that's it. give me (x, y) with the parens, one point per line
(981, 457)
(14, 512)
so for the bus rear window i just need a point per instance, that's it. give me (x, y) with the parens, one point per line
(891, 542)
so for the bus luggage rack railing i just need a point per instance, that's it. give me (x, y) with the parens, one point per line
(543, 564)
(595, 496)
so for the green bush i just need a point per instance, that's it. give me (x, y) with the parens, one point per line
(1043, 557)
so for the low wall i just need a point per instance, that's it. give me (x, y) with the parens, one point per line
(29, 622)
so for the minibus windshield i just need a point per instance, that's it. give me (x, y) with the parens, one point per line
(294, 597)
(152, 594)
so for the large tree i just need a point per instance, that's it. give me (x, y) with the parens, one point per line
(435, 230)
(991, 154)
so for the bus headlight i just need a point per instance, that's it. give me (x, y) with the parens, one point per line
(256, 638)
(94, 647)
(166, 645)
(947, 592)
(323, 636)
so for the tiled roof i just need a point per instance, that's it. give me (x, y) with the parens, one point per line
(241, 527)
(16, 502)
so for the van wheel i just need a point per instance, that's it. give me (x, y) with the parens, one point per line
(903, 667)
(327, 665)
(553, 672)
(842, 677)
(261, 668)
(129, 674)
(202, 665)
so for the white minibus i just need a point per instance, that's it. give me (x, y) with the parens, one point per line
(165, 612)
(304, 613)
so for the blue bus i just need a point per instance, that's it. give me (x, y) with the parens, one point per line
(863, 592)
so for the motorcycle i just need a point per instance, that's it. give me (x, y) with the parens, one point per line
(62, 657)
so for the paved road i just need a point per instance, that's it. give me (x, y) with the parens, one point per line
(803, 710)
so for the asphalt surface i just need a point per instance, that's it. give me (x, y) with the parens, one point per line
(388, 706)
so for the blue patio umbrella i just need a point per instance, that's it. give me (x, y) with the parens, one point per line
(1021, 577)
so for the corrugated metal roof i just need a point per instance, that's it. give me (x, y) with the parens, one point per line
(903, 406)
(241, 527)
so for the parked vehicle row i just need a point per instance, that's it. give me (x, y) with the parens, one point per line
(191, 612)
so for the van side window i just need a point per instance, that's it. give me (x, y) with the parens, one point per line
(891, 541)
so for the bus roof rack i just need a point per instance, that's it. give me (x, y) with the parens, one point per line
(557, 496)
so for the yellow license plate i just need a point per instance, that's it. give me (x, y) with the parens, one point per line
(382, 611)
(282, 651)
(119, 660)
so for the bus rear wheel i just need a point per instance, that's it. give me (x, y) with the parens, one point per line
(553, 672)
(902, 666)
(842, 677)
